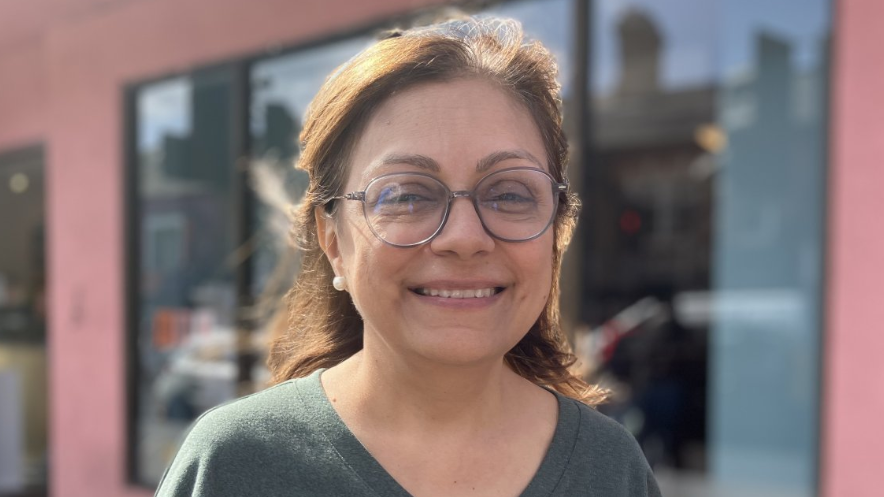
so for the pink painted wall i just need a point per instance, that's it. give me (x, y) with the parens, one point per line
(22, 82)
(853, 428)
(63, 66)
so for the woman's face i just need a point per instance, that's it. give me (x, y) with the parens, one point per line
(445, 130)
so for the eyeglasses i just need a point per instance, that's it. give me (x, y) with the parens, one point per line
(410, 209)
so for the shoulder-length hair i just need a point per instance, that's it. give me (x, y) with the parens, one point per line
(323, 327)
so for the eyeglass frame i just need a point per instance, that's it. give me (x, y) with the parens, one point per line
(557, 188)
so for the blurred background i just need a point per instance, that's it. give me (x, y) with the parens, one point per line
(724, 279)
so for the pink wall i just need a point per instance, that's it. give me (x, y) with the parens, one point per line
(62, 72)
(22, 94)
(853, 431)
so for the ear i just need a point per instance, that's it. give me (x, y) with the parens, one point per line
(327, 235)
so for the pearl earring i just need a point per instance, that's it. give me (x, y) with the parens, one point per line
(340, 283)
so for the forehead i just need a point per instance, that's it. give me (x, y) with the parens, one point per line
(456, 124)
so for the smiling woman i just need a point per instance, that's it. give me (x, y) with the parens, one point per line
(423, 353)
(458, 124)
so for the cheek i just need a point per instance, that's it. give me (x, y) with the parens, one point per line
(538, 266)
(354, 238)
(548, 270)
(371, 266)
(545, 281)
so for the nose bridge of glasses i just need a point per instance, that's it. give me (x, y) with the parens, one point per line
(459, 194)
(471, 195)
(463, 194)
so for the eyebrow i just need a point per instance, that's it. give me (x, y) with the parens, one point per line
(417, 160)
(489, 160)
(429, 164)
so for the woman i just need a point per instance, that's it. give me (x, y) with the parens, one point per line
(424, 354)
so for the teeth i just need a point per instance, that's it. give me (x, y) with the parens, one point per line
(457, 294)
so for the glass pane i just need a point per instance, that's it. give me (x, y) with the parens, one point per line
(23, 361)
(765, 329)
(548, 21)
(282, 88)
(186, 300)
(704, 214)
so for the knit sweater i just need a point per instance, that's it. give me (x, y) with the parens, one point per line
(289, 441)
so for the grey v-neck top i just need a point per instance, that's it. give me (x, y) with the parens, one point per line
(288, 440)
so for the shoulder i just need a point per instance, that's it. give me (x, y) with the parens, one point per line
(608, 455)
(605, 434)
(252, 414)
(251, 434)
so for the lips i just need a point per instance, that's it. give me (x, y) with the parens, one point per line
(464, 290)
(466, 293)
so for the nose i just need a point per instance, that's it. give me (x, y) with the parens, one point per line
(463, 233)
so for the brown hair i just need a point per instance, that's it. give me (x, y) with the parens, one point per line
(323, 326)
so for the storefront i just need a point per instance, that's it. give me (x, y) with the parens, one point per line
(721, 280)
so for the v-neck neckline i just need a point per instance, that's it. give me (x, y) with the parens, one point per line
(370, 471)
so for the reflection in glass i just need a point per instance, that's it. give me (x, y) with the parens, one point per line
(282, 88)
(648, 206)
(186, 306)
(766, 325)
(703, 211)
(548, 21)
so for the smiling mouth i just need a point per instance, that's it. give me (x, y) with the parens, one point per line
(475, 293)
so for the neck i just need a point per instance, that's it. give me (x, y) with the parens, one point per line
(405, 393)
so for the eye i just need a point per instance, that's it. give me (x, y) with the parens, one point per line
(399, 193)
(508, 190)
(514, 195)
(404, 196)
(510, 197)
(400, 198)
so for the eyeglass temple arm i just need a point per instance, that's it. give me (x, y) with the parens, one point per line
(350, 196)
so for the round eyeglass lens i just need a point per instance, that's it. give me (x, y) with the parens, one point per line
(516, 205)
(406, 208)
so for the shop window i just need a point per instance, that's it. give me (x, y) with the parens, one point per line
(23, 358)
(184, 310)
(703, 224)
(282, 88)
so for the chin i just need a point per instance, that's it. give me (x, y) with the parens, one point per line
(449, 349)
